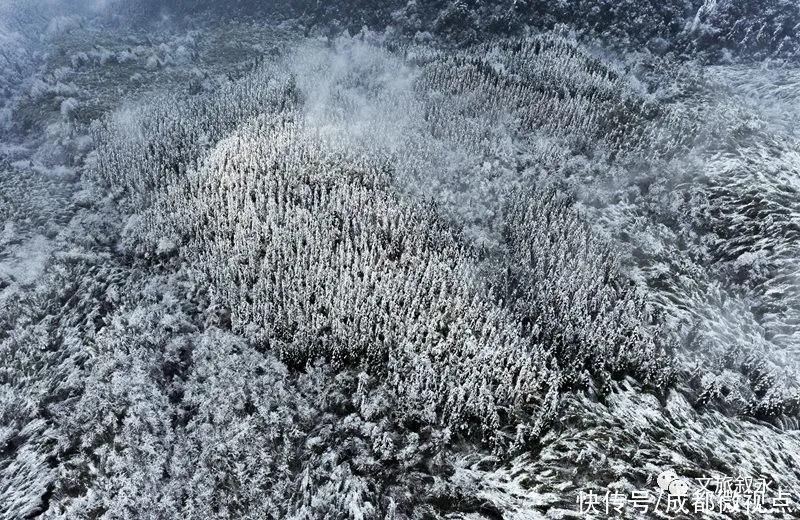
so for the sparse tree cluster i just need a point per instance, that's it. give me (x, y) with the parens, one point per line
(544, 83)
(565, 287)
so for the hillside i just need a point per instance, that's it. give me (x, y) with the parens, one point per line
(446, 260)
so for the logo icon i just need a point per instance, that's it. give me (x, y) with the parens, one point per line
(670, 482)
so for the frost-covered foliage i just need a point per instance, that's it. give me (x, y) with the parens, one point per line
(712, 232)
(352, 277)
(489, 113)
(143, 151)
(307, 246)
(543, 84)
(26, 197)
(565, 287)
(713, 30)
(133, 403)
(619, 22)
(767, 29)
(706, 29)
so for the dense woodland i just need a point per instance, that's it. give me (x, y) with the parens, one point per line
(423, 260)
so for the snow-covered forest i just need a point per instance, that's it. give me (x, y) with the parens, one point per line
(446, 259)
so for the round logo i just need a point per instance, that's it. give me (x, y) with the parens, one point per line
(670, 482)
